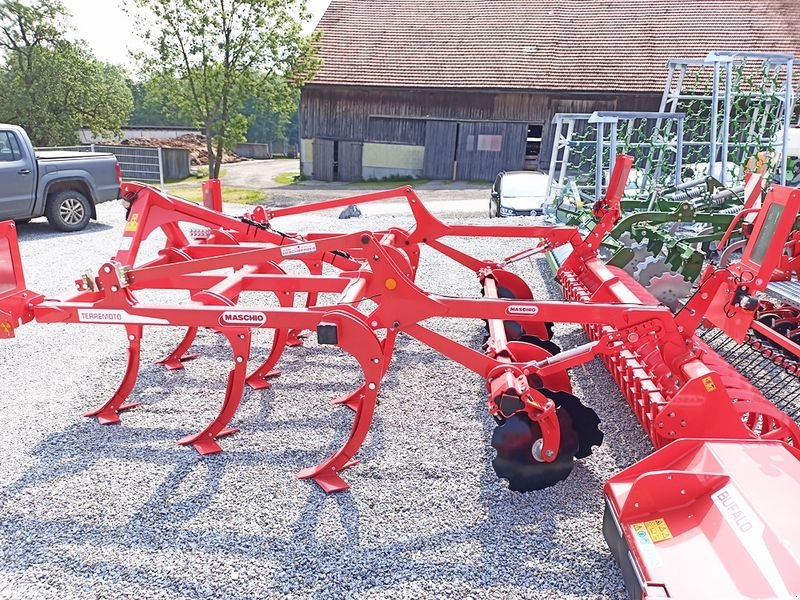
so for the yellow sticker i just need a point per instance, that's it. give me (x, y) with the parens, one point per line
(656, 530)
(709, 383)
(133, 223)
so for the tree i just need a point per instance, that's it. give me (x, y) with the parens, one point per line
(51, 85)
(217, 55)
(271, 116)
(151, 105)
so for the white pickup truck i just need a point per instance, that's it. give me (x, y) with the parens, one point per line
(62, 186)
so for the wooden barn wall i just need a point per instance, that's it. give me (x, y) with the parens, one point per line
(343, 113)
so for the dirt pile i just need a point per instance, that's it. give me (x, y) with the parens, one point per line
(195, 143)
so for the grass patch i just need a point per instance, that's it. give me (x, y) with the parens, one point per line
(229, 194)
(288, 178)
(201, 175)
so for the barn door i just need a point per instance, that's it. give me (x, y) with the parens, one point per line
(485, 149)
(323, 159)
(349, 161)
(440, 149)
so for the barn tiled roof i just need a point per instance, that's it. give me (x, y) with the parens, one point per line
(540, 44)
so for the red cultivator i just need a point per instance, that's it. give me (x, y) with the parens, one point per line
(676, 384)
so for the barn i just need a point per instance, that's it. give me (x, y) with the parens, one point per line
(459, 89)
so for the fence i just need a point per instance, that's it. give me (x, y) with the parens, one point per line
(140, 163)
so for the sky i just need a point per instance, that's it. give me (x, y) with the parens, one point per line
(110, 32)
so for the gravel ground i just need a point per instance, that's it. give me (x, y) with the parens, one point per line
(88, 511)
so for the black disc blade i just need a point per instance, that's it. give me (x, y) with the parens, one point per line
(513, 441)
(551, 347)
(584, 420)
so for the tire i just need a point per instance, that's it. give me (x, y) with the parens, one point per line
(68, 210)
(493, 210)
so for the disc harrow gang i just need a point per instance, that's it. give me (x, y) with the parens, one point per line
(676, 384)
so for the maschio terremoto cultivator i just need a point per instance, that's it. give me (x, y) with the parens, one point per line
(678, 387)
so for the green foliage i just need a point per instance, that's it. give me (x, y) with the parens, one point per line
(53, 86)
(274, 118)
(210, 58)
(150, 106)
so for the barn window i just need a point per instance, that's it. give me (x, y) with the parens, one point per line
(490, 143)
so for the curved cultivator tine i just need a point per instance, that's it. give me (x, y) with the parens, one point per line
(109, 412)
(175, 359)
(205, 441)
(355, 337)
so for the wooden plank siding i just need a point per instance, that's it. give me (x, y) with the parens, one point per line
(398, 130)
(476, 161)
(440, 149)
(344, 113)
(349, 161)
(323, 160)
(407, 116)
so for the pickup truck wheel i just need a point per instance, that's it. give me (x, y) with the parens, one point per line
(68, 210)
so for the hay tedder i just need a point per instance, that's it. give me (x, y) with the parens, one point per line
(727, 466)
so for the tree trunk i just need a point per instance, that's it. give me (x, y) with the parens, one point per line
(218, 166)
(210, 149)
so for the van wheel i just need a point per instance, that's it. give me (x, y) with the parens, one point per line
(493, 210)
(68, 210)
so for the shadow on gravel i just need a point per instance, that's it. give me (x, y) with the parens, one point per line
(43, 231)
(519, 547)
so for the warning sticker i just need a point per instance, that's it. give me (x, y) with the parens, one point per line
(709, 383)
(656, 529)
(646, 546)
(133, 223)
(298, 249)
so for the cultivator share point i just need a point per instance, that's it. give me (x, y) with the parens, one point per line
(717, 432)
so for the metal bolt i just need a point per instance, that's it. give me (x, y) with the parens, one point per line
(114, 288)
(131, 337)
(107, 269)
(549, 453)
(239, 359)
(374, 323)
(372, 386)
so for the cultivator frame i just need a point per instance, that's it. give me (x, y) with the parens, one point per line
(661, 368)
(692, 404)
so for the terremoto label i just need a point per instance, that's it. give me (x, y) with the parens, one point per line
(116, 316)
(241, 318)
(299, 249)
(519, 309)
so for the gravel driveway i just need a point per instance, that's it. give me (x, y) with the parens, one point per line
(91, 511)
